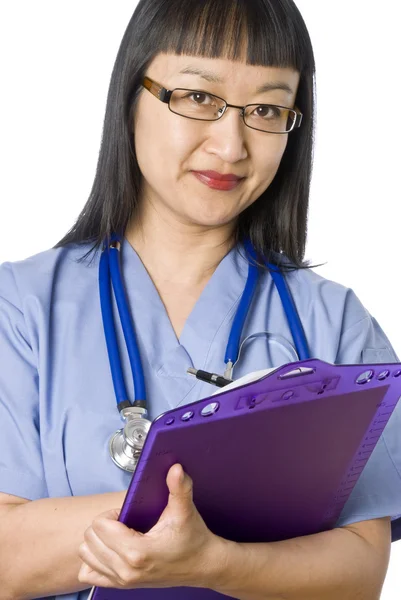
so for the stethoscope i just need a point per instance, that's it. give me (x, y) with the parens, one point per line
(126, 444)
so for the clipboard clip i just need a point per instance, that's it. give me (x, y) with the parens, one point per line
(298, 372)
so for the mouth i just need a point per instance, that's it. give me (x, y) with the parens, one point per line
(220, 176)
(217, 181)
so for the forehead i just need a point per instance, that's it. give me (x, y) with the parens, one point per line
(221, 73)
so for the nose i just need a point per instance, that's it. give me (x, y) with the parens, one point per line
(226, 136)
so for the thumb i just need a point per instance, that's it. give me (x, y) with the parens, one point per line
(180, 486)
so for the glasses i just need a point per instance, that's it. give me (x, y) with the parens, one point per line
(202, 106)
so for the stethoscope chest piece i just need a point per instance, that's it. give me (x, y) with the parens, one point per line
(126, 444)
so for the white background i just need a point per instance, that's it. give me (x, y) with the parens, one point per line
(56, 61)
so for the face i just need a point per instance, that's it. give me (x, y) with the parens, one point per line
(170, 147)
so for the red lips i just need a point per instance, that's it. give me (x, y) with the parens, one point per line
(219, 176)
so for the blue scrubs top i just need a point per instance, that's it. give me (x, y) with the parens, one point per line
(57, 403)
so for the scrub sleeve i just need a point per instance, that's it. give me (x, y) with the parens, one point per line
(377, 492)
(21, 467)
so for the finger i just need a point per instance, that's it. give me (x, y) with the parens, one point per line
(90, 577)
(179, 482)
(180, 490)
(118, 542)
(99, 560)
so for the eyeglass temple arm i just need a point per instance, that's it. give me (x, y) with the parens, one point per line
(298, 119)
(157, 90)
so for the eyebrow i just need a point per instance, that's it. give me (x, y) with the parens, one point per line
(213, 78)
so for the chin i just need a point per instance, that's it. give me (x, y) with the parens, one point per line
(212, 220)
(212, 216)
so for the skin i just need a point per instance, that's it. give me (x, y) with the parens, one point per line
(169, 146)
(181, 551)
(178, 551)
(193, 225)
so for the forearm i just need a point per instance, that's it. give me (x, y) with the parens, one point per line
(332, 565)
(39, 543)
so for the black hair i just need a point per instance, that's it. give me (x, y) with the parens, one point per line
(269, 33)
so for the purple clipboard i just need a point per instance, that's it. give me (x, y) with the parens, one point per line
(271, 460)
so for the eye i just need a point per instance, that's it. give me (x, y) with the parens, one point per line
(267, 110)
(199, 97)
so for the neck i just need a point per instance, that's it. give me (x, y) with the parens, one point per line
(178, 253)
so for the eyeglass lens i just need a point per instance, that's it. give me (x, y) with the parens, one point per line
(200, 105)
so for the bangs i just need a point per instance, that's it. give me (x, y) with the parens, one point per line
(258, 32)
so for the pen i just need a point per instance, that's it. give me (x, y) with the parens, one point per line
(212, 378)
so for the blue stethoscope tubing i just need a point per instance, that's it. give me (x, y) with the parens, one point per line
(110, 273)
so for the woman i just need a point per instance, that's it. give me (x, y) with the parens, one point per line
(184, 268)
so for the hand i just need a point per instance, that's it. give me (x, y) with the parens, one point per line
(178, 551)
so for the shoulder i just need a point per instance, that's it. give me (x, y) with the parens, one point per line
(337, 324)
(318, 291)
(41, 288)
(322, 300)
(360, 337)
(39, 275)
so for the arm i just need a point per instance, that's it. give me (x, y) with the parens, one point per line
(39, 543)
(348, 563)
